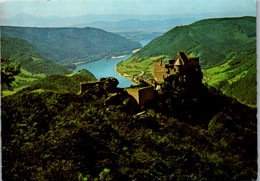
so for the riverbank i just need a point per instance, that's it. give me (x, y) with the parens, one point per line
(115, 57)
(125, 76)
(133, 79)
(133, 73)
(136, 50)
(106, 68)
(82, 63)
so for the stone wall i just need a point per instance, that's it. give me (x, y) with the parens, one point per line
(134, 93)
(146, 94)
(175, 67)
(108, 84)
(142, 95)
(160, 72)
(84, 86)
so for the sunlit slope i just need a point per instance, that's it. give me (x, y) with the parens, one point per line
(224, 42)
(236, 77)
(60, 83)
(212, 40)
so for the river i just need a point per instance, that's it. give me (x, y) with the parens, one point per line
(106, 68)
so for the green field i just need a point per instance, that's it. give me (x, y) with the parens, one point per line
(132, 65)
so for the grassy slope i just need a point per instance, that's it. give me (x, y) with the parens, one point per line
(239, 73)
(216, 42)
(72, 45)
(60, 83)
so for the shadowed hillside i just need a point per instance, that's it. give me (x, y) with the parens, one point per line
(50, 135)
(69, 46)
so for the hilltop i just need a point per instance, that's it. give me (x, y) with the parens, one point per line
(60, 83)
(40, 74)
(212, 39)
(73, 46)
(226, 48)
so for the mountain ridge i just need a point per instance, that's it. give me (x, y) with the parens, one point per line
(70, 46)
(132, 25)
(215, 41)
(58, 21)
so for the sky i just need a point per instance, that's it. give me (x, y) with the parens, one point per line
(65, 8)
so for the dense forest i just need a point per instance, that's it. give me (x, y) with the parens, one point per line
(191, 132)
(226, 48)
(68, 46)
(30, 57)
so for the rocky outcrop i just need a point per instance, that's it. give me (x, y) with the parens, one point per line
(101, 86)
(114, 99)
(123, 100)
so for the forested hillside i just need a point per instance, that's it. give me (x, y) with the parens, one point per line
(53, 135)
(69, 46)
(223, 42)
(33, 65)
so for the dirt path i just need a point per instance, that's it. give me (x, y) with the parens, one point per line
(134, 81)
(142, 73)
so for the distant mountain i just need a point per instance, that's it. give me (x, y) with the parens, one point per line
(69, 46)
(24, 19)
(229, 42)
(131, 25)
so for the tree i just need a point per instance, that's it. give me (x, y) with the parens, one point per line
(8, 71)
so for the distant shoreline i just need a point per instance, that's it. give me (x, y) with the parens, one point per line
(77, 64)
(136, 50)
(121, 56)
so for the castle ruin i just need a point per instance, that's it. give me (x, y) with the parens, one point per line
(178, 67)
